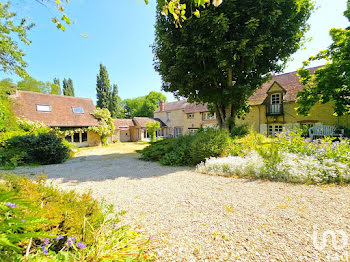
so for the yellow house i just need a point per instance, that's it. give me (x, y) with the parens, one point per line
(273, 109)
(181, 117)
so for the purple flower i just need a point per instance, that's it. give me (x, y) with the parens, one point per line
(115, 226)
(71, 240)
(58, 238)
(81, 245)
(150, 237)
(45, 251)
(340, 135)
(24, 220)
(9, 204)
(47, 241)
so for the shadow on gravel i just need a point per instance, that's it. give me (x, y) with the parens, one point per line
(100, 168)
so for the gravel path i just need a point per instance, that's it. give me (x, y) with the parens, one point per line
(195, 217)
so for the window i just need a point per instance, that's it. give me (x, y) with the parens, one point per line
(273, 129)
(78, 110)
(168, 117)
(190, 116)
(43, 108)
(76, 138)
(145, 133)
(208, 116)
(84, 137)
(275, 99)
(177, 131)
(68, 138)
(192, 130)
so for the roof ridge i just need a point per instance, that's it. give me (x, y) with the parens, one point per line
(293, 72)
(38, 93)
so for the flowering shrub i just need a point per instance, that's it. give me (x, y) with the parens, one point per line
(106, 127)
(286, 166)
(39, 222)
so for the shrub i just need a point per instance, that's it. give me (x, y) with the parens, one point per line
(239, 131)
(152, 129)
(188, 149)
(45, 148)
(288, 167)
(55, 225)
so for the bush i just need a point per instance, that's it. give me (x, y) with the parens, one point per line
(55, 225)
(239, 131)
(188, 149)
(45, 148)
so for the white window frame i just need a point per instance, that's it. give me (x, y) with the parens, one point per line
(168, 116)
(273, 129)
(82, 110)
(178, 131)
(209, 116)
(41, 108)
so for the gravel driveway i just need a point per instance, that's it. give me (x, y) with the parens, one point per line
(195, 217)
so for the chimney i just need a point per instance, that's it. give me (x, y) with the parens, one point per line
(162, 106)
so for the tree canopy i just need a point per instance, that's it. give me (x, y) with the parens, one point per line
(143, 106)
(11, 56)
(107, 95)
(331, 82)
(33, 85)
(68, 88)
(225, 55)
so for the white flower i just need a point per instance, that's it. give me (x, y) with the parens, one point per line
(216, 3)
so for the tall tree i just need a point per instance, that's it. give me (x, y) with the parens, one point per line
(103, 87)
(57, 88)
(143, 105)
(33, 85)
(115, 105)
(68, 89)
(11, 56)
(225, 55)
(331, 82)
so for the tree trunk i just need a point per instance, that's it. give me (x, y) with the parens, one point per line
(225, 113)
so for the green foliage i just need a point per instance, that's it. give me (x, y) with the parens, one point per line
(247, 40)
(11, 55)
(40, 217)
(143, 106)
(188, 149)
(33, 85)
(106, 127)
(331, 82)
(44, 148)
(152, 130)
(7, 118)
(239, 131)
(107, 96)
(68, 89)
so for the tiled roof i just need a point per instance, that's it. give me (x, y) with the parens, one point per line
(174, 105)
(289, 81)
(193, 108)
(142, 121)
(123, 123)
(61, 114)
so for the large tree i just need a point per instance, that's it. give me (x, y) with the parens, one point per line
(68, 88)
(331, 82)
(107, 95)
(143, 106)
(11, 56)
(57, 87)
(33, 85)
(225, 55)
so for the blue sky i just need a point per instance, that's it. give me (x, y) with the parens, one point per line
(120, 35)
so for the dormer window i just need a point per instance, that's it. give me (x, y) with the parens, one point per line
(43, 108)
(78, 110)
(276, 99)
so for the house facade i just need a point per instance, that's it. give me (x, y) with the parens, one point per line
(182, 117)
(133, 130)
(273, 109)
(63, 112)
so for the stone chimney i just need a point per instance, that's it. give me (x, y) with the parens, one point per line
(162, 106)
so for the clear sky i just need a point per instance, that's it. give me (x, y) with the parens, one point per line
(120, 35)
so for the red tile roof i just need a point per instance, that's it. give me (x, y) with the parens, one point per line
(142, 121)
(170, 106)
(61, 114)
(289, 81)
(123, 123)
(193, 108)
